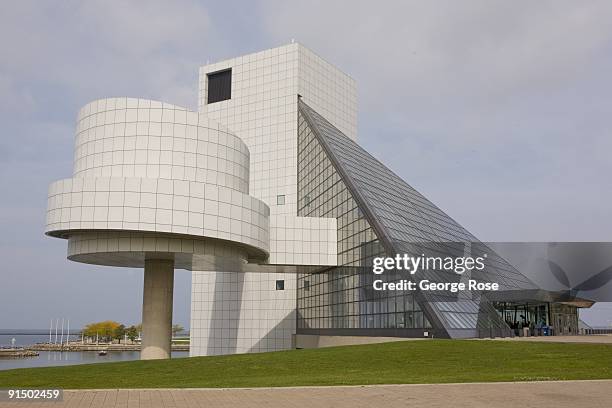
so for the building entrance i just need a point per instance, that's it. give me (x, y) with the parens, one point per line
(526, 319)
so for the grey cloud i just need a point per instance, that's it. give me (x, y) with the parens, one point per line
(97, 48)
(509, 97)
(57, 57)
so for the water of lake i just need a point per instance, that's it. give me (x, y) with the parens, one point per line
(60, 358)
(23, 338)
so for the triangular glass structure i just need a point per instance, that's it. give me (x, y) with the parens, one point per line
(379, 214)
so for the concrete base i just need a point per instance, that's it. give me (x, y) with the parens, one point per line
(313, 341)
(157, 309)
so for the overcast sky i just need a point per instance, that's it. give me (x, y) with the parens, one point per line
(499, 112)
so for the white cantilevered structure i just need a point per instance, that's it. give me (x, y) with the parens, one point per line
(158, 187)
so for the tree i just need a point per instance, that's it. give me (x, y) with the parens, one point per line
(132, 333)
(105, 330)
(119, 332)
(176, 328)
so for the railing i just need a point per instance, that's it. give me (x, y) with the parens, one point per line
(597, 331)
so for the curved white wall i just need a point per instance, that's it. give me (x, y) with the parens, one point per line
(126, 137)
(130, 249)
(144, 166)
(157, 205)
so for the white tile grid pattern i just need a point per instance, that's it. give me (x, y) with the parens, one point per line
(158, 205)
(127, 137)
(125, 241)
(329, 91)
(235, 313)
(262, 111)
(303, 240)
(128, 248)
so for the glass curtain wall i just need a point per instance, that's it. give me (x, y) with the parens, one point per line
(340, 300)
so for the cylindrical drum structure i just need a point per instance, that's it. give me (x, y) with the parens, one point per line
(158, 187)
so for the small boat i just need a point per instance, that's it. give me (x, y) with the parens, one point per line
(102, 352)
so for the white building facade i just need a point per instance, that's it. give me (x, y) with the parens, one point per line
(160, 187)
(252, 311)
(265, 196)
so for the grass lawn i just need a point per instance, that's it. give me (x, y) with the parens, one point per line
(429, 361)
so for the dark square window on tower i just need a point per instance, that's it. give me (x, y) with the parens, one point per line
(280, 285)
(219, 86)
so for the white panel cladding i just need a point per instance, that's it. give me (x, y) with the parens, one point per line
(303, 240)
(329, 91)
(262, 111)
(157, 205)
(130, 248)
(241, 313)
(153, 168)
(127, 137)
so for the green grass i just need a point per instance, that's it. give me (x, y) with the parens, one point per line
(431, 361)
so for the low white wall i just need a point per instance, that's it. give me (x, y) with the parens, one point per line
(315, 341)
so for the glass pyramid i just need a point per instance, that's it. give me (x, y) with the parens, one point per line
(379, 214)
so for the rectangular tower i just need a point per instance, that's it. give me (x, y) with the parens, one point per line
(256, 97)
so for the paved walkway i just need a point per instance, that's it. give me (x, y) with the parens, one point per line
(592, 338)
(556, 394)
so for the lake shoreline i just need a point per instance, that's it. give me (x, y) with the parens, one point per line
(65, 358)
(77, 346)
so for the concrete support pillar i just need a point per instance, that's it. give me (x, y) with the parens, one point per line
(157, 309)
